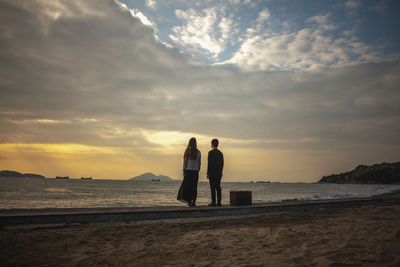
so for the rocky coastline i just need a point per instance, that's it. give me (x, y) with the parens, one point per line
(6, 173)
(383, 173)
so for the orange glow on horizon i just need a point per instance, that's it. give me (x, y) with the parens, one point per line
(243, 161)
(74, 160)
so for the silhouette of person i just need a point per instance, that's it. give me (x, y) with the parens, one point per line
(214, 172)
(191, 167)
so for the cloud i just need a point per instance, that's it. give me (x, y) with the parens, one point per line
(250, 3)
(202, 31)
(312, 47)
(259, 26)
(264, 15)
(105, 85)
(225, 27)
(234, 2)
(138, 14)
(353, 4)
(151, 4)
(89, 73)
(79, 66)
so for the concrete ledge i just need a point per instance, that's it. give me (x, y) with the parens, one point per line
(91, 215)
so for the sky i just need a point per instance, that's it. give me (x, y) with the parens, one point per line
(294, 90)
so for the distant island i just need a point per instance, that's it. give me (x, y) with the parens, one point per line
(151, 177)
(384, 173)
(13, 174)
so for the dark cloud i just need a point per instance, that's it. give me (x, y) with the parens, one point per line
(88, 72)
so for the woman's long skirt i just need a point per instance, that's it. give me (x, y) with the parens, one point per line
(188, 190)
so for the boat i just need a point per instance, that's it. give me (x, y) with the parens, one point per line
(62, 177)
(263, 182)
(86, 178)
(155, 180)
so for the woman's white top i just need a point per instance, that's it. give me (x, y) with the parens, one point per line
(192, 164)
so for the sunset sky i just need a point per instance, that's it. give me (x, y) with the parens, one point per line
(293, 89)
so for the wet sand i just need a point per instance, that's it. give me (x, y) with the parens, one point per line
(345, 236)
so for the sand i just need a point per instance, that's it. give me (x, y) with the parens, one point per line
(346, 236)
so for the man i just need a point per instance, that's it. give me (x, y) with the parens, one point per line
(214, 172)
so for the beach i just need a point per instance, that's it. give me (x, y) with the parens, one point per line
(360, 235)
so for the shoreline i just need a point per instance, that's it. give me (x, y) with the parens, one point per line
(73, 216)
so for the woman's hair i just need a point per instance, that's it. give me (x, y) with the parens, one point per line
(191, 150)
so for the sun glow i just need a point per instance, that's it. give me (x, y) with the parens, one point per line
(173, 142)
(74, 160)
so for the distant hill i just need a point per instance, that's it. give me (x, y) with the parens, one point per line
(6, 173)
(384, 173)
(151, 177)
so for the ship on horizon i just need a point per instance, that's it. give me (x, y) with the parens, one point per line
(62, 177)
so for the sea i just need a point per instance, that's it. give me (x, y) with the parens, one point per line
(34, 193)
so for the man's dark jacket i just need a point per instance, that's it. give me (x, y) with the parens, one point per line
(215, 163)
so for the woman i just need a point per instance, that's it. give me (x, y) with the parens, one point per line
(191, 168)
